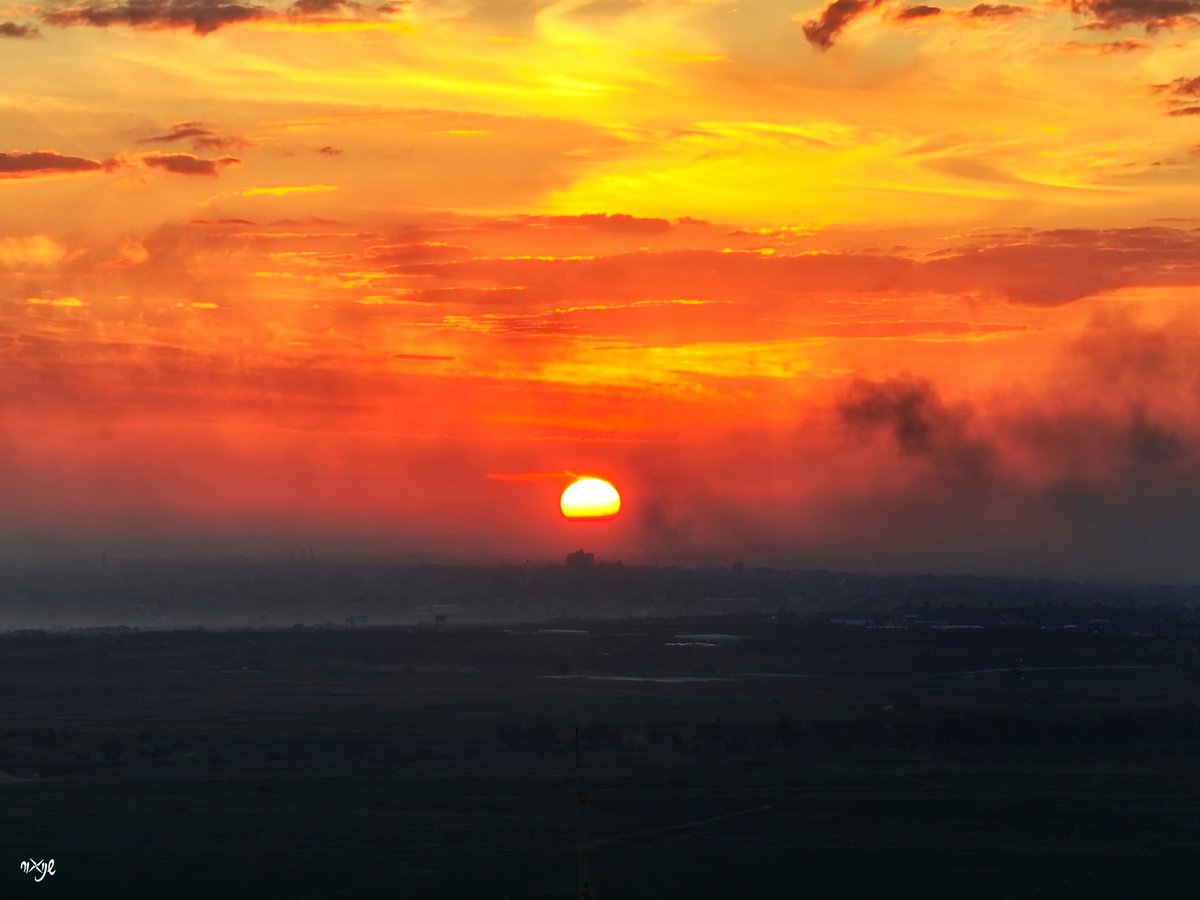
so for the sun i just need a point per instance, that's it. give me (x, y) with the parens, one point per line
(590, 498)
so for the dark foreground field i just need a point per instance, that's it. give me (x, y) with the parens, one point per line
(830, 761)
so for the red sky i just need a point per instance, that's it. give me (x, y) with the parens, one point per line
(862, 284)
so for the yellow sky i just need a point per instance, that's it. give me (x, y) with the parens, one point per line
(703, 109)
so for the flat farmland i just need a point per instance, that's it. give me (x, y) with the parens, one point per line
(772, 759)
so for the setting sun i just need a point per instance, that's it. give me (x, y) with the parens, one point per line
(590, 498)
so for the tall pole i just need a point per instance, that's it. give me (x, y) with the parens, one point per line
(585, 886)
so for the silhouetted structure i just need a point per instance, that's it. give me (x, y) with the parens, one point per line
(580, 559)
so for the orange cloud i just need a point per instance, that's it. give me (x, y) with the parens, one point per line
(44, 162)
(187, 164)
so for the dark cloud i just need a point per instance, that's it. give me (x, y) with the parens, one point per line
(323, 7)
(821, 31)
(202, 137)
(187, 164)
(1153, 15)
(1096, 472)
(909, 409)
(44, 162)
(921, 424)
(1137, 362)
(179, 132)
(307, 222)
(202, 16)
(330, 151)
(1181, 95)
(222, 222)
(16, 30)
(1148, 445)
(918, 12)
(995, 10)
(1181, 87)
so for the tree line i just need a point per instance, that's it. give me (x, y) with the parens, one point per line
(947, 733)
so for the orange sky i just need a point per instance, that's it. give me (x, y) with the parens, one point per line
(860, 284)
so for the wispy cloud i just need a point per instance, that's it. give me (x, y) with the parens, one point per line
(180, 132)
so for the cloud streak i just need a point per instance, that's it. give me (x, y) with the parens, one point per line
(44, 162)
(909, 13)
(180, 132)
(201, 16)
(996, 10)
(187, 164)
(1046, 268)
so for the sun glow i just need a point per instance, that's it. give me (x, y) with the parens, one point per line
(590, 498)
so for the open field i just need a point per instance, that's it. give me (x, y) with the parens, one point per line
(819, 760)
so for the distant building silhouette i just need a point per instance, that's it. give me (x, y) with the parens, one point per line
(579, 559)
